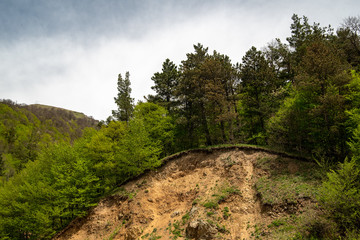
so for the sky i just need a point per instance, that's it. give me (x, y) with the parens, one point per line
(69, 53)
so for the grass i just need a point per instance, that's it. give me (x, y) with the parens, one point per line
(287, 183)
(151, 236)
(221, 194)
(226, 213)
(280, 186)
(175, 229)
(116, 231)
(122, 192)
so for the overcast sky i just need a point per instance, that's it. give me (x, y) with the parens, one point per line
(68, 53)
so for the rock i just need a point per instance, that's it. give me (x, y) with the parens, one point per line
(174, 214)
(200, 230)
(132, 233)
(193, 211)
(150, 200)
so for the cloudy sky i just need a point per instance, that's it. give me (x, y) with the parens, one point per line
(68, 53)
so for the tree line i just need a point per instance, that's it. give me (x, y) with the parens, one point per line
(301, 96)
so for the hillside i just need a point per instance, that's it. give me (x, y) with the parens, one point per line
(214, 194)
(74, 113)
(27, 129)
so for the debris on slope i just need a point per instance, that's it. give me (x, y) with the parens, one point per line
(198, 196)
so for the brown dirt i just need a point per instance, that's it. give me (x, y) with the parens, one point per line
(176, 193)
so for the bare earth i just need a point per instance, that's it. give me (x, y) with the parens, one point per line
(168, 199)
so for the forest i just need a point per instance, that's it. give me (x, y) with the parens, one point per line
(301, 97)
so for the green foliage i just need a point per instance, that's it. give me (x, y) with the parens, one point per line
(283, 187)
(165, 85)
(123, 100)
(151, 236)
(258, 84)
(206, 93)
(26, 130)
(211, 204)
(340, 195)
(47, 194)
(226, 213)
(175, 229)
(312, 118)
(221, 193)
(157, 123)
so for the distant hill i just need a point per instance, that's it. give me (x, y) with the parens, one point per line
(76, 114)
(26, 129)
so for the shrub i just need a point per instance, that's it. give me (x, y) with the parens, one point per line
(340, 195)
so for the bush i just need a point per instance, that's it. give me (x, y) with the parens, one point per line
(340, 195)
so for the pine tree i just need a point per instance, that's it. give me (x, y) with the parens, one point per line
(165, 84)
(257, 88)
(123, 100)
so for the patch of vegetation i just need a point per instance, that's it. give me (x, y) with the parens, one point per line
(276, 223)
(257, 232)
(196, 201)
(151, 236)
(221, 194)
(209, 214)
(175, 229)
(116, 231)
(340, 195)
(280, 186)
(228, 161)
(185, 218)
(221, 228)
(226, 213)
(122, 192)
(286, 185)
(142, 183)
(211, 204)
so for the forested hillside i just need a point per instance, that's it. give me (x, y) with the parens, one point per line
(302, 96)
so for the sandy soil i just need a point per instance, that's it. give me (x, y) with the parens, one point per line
(168, 199)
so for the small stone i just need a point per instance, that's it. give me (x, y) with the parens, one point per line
(150, 200)
(174, 214)
(193, 211)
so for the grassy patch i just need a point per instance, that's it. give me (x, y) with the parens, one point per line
(151, 236)
(287, 183)
(221, 193)
(175, 229)
(226, 213)
(283, 185)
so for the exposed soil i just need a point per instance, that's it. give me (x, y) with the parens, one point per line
(162, 203)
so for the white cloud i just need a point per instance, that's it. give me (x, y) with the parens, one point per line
(82, 76)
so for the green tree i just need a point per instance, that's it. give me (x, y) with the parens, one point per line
(220, 79)
(191, 93)
(349, 40)
(313, 118)
(158, 124)
(123, 100)
(340, 196)
(302, 33)
(165, 85)
(257, 89)
(136, 151)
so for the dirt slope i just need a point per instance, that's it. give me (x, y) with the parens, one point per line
(215, 192)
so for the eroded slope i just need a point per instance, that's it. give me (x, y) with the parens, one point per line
(199, 196)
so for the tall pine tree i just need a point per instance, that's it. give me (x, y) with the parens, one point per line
(123, 100)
